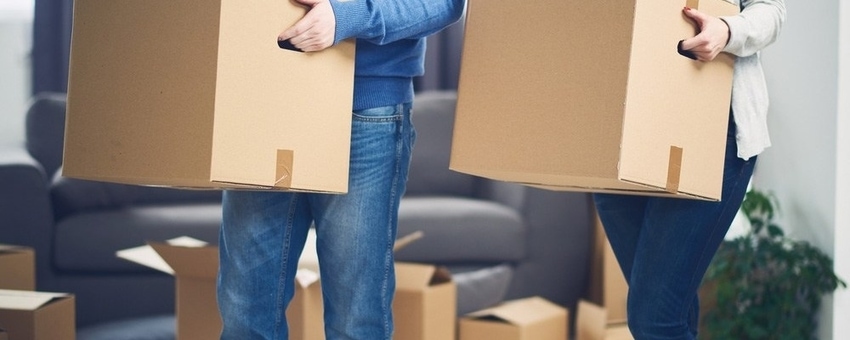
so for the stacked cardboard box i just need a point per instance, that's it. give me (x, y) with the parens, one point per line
(29, 315)
(17, 267)
(531, 318)
(26, 314)
(199, 94)
(600, 101)
(607, 286)
(592, 324)
(424, 304)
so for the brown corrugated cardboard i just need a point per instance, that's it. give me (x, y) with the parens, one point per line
(17, 267)
(305, 312)
(592, 324)
(531, 318)
(607, 286)
(195, 265)
(601, 102)
(28, 315)
(199, 94)
(425, 303)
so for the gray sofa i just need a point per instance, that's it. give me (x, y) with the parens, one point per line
(537, 242)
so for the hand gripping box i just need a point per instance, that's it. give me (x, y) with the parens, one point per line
(199, 94)
(590, 96)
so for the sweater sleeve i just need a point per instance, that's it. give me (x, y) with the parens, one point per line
(756, 27)
(384, 21)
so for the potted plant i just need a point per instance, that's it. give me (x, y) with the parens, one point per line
(763, 285)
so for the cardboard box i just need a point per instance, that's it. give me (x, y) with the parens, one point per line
(198, 94)
(17, 267)
(305, 314)
(592, 324)
(531, 318)
(607, 286)
(28, 315)
(425, 303)
(601, 102)
(195, 267)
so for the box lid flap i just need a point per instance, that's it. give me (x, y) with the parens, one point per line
(521, 312)
(417, 276)
(7, 248)
(196, 262)
(306, 277)
(26, 300)
(147, 256)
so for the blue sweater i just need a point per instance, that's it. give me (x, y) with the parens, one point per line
(390, 37)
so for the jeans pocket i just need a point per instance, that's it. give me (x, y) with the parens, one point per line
(383, 114)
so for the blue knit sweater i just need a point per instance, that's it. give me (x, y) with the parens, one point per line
(390, 37)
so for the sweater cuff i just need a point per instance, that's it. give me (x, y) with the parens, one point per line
(736, 41)
(351, 15)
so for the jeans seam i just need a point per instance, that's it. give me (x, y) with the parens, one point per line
(280, 298)
(388, 260)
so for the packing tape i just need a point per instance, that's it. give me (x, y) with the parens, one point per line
(674, 169)
(283, 169)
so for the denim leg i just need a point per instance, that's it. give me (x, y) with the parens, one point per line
(665, 246)
(356, 232)
(262, 235)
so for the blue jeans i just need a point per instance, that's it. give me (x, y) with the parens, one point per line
(263, 234)
(664, 246)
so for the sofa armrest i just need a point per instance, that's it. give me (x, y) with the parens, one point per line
(26, 216)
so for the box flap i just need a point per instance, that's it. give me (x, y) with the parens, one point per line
(7, 248)
(306, 277)
(196, 262)
(521, 312)
(418, 276)
(26, 300)
(147, 256)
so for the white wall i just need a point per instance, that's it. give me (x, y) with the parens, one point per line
(15, 45)
(807, 164)
(841, 302)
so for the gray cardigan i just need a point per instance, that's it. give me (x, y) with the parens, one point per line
(756, 27)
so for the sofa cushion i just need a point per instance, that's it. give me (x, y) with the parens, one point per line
(459, 230)
(87, 242)
(71, 196)
(433, 117)
(45, 130)
(481, 288)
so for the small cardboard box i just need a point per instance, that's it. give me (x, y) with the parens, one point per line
(29, 315)
(425, 303)
(531, 318)
(607, 286)
(601, 102)
(592, 324)
(199, 94)
(304, 315)
(17, 267)
(195, 266)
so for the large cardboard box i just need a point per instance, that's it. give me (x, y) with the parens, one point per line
(583, 96)
(607, 286)
(17, 267)
(425, 303)
(531, 318)
(197, 93)
(29, 315)
(592, 324)
(195, 266)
